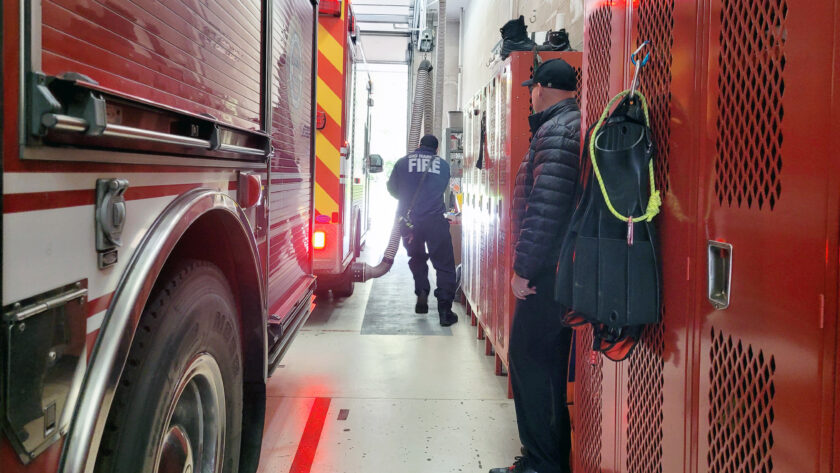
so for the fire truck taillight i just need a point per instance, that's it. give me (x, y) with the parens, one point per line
(351, 26)
(330, 7)
(320, 120)
(319, 240)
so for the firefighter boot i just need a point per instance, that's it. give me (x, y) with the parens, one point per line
(422, 305)
(447, 317)
(520, 465)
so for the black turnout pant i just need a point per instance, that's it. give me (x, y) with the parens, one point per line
(432, 233)
(539, 357)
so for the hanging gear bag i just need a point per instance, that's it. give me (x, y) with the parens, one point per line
(608, 270)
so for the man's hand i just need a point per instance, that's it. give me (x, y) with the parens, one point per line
(520, 287)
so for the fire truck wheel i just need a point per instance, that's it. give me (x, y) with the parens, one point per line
(178, 406)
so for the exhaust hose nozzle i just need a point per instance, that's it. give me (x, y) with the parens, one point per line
(363, 271)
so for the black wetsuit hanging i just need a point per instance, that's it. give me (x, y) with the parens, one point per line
(608, 271)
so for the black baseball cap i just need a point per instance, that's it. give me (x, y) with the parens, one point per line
(555, 74)
(429, 141)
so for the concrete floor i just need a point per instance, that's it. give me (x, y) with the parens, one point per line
(409, 403)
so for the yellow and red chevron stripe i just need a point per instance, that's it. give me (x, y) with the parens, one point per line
(332, 38)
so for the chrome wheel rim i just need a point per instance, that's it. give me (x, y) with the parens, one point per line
(193, 437)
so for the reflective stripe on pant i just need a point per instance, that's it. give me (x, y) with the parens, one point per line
(432, 233)
(539, 357)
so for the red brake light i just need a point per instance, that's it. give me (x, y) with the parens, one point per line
(330, 7)
(320, 120)
(319, 240)
(249, 191)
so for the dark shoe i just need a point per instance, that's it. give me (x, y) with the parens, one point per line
(515, 29)
(520, 465)
(515, 37)
(422, 305)
(448, 318)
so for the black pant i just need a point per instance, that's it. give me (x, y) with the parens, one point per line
(432, 232)
(539, 357)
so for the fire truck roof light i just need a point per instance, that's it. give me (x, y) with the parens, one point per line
(330, 7)
(319, 240)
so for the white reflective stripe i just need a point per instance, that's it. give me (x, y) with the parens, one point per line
(46, 249)
(284, 175)
(25, 182)
(94, 322)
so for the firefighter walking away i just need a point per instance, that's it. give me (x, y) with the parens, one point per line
(418, 181)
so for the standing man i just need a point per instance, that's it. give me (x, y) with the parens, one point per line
(542, 207)
(418, 181)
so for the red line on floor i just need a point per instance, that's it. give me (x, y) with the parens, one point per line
(311, 436)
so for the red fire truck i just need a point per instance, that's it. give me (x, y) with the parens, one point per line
(343, 162)
(157, 222)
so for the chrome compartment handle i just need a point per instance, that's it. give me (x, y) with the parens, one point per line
(719, 273)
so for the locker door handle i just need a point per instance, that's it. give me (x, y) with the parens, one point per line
(720, 273)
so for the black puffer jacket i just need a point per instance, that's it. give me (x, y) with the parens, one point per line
(543, 198)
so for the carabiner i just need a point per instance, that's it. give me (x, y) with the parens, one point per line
(635, 84)
(636, 53)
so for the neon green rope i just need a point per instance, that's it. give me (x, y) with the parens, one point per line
(655, 200)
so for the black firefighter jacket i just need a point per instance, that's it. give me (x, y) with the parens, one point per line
(543, 197)
(406, 176)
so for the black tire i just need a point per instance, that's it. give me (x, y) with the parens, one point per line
(190, 323)
(321, 292)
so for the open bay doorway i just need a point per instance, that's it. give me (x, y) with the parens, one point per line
(387, 139)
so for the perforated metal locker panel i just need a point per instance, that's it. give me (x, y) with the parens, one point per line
(741, 105)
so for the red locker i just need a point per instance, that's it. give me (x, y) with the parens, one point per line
(488, 241)
(655, 391)
(595, 414)
(766, 161)
(470, 236)
(742, 373)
